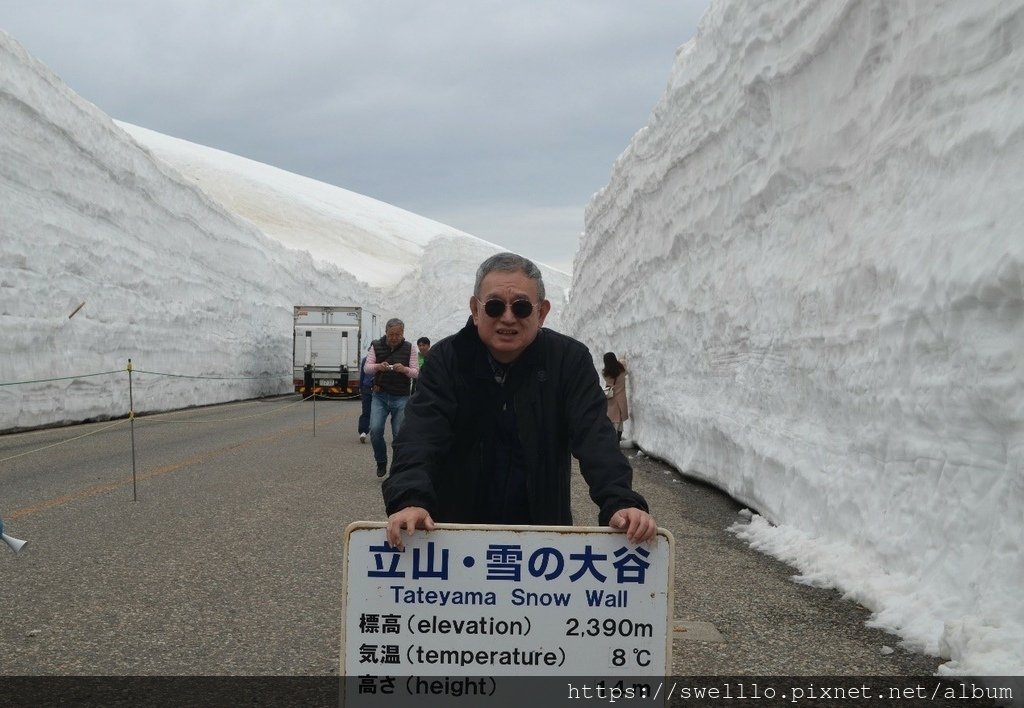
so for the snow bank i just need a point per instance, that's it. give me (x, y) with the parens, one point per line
(188, 260)
(812, 259)
(420, 269)
(168, 278)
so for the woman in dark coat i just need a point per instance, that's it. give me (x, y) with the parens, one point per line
(615, 387)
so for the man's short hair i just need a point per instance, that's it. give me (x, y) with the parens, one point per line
(394, 322)
(510, 263)
(423, 340)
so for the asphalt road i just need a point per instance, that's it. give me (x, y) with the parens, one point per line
(230, 560)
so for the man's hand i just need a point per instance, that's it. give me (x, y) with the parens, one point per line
(637, 523)
(400, 368)
(410, 518)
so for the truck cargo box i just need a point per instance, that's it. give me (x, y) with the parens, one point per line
(329, 342)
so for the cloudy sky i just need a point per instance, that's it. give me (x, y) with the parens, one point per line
(497, 118)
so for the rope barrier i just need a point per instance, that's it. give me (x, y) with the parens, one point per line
(154, 373)
(156, 418)
(63, 442)
(214, 378)
(61, 378)
(159, 417)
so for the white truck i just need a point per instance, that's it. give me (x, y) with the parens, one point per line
(329, 343)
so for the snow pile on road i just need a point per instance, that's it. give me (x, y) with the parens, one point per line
(193, 274)
(811, 258)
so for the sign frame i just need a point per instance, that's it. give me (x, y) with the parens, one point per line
(664, 534)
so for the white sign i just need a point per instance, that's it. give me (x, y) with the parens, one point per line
(468, 600)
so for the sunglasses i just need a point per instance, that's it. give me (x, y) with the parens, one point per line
(496, 308)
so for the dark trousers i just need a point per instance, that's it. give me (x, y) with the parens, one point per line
(366, 395)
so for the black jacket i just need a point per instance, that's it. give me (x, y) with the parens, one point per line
(559, 406)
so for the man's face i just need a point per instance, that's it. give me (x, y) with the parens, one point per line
(423, 347)
(395, 335)
(507, 336)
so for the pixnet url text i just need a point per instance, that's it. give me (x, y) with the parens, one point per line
(616, 691)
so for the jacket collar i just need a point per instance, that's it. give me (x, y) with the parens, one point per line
(476, 360)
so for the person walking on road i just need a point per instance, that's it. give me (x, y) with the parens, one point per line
(366, 398)
(393, 364)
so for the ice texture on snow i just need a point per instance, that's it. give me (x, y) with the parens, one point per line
(812, 259)
(188, 260)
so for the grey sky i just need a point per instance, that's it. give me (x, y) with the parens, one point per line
(497, 118)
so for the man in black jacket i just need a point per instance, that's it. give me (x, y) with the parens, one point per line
(487, 437)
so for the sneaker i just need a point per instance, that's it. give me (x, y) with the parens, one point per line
(362, 437)
(382, 469)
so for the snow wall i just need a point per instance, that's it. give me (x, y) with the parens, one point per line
(812, 259)
(169, 276)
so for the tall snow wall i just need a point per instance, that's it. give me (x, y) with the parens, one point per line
(812, 258)
(168, 277)
(180, 277)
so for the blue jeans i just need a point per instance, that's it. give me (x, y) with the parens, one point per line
(384, 404)
(366, 398)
